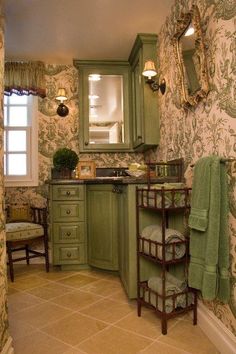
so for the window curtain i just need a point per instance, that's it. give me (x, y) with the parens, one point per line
(25, 78)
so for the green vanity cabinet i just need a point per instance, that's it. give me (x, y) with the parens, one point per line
(67, 225)
(145, 101)
(102, 212)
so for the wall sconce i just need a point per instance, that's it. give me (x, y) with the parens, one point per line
(62, 109)
(149, 71)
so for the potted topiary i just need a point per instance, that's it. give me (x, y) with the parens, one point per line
(64, 162)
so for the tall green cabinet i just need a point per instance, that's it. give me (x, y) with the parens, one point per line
(145, 101)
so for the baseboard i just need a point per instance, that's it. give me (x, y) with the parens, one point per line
(8, 349)
(215, 330)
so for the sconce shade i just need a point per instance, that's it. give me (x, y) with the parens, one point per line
(149, 69)
(61, 95)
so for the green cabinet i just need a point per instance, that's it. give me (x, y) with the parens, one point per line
(102, 212)
(145, 101)
(67, 225)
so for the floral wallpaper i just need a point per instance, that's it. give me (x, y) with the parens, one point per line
(56, 132)
(3, 277)
(210, 127)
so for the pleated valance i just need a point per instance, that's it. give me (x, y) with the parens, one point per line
(25, 78)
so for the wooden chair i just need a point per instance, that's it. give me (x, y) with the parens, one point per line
(23, 228)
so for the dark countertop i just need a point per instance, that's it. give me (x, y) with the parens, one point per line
(112, 180)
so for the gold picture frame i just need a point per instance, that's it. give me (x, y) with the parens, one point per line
(86, 170)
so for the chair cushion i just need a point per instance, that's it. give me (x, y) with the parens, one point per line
(16, 231)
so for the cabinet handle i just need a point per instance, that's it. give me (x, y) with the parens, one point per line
(68, 193)
(68, 233)
(68, 254)
(86, 143)
(68, 212)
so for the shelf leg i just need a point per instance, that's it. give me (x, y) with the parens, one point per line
(164, 325)
(139, 308)
(195, 309)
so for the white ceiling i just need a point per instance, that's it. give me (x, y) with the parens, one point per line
(58, 31)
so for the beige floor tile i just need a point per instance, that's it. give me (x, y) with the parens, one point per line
(19, 329)
(42, 314)
(121, 296)
(161, 348)
(11, 290)
(74, 329)
(114, 341)
(77, 280)
(74, 351)
(49, 291)
(148, 325)
(108, 310)
(24, 269)
(76, 300)
(101, 274)
(21, 300)
(56, 274)
(189, 338)
(39, 343)
(103, 287)
(28, 282)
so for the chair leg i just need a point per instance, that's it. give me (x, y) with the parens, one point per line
(10, 261)
(27, 254)
(46, 254)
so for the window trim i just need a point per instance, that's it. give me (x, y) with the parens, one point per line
(31, 179)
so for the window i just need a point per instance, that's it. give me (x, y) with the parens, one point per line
(20, 141)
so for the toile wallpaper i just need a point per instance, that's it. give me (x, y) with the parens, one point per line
(210, 128)
(3, 278)
(56, 132)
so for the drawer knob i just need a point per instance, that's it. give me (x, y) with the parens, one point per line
(68, 211)
(68, 233)
(68, 254)
(68, 193)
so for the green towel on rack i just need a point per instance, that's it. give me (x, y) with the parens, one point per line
(209, 239)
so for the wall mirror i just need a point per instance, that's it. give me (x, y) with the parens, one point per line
(190, 56)
(104, 105)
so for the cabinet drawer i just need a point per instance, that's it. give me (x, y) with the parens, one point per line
(69, 254)
(68, 233)
(68, 211)
(62, 192)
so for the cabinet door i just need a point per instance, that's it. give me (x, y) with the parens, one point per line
(102, 226)
(138, 136)
(145, 101)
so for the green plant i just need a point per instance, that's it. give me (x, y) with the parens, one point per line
(65, 159)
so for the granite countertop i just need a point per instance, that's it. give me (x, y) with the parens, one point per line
(111, 180)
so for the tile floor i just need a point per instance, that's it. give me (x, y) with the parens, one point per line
(87, 312)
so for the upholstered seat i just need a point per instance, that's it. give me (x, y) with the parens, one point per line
(16, 231)
(25, 225)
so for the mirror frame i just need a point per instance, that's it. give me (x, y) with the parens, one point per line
(182, 24)
(103, 67)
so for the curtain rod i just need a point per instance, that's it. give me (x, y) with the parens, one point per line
(223, 160)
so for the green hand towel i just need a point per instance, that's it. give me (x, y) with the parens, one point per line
(209, 242)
